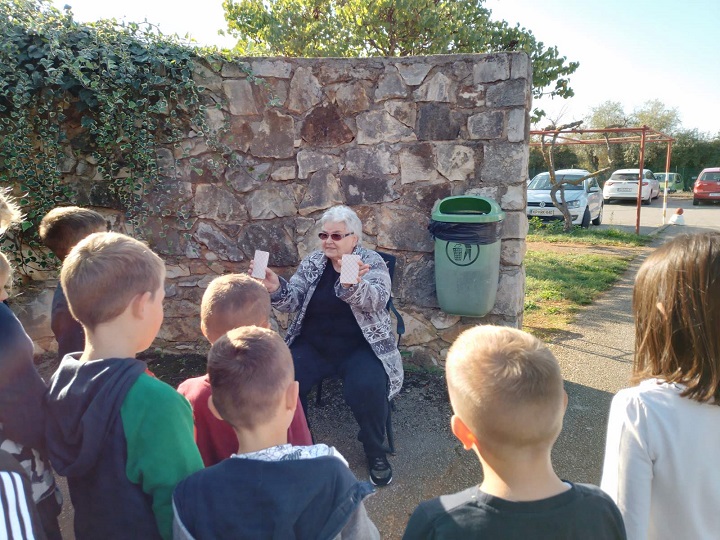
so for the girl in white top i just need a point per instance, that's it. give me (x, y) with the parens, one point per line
(663, 438)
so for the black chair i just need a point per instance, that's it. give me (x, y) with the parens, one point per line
(400, 330)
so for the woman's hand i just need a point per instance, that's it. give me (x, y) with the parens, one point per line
(362, 270)
(271, 281)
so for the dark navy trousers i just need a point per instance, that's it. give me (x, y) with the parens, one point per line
(365, 386)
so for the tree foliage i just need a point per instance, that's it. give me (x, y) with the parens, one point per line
(390, 28)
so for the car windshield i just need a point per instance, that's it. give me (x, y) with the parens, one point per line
(542, 181)
(660, 176)
(710, 177)
(627, 177)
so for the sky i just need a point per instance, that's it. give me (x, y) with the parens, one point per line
(629, 51)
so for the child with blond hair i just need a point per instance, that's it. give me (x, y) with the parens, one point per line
(508, 401)
(123, 438)
(230, 301)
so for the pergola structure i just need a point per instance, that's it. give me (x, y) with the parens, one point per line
(619, 135)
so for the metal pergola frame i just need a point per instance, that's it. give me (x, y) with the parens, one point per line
(633, 135)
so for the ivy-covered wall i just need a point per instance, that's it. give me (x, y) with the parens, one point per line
(388, 137)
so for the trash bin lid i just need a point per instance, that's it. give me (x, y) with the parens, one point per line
(468, 209)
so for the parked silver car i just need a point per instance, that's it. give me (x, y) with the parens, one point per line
(584, 200)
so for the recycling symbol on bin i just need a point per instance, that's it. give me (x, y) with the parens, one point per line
(462, 254)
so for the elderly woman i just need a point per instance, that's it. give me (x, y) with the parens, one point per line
(344, 330)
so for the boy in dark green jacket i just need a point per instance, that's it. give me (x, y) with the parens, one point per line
(123, 438)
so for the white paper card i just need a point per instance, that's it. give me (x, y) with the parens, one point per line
(350, 269)
(260, 263)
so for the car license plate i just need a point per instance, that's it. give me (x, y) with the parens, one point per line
(542, 212)
(715, 194)
(625, 190)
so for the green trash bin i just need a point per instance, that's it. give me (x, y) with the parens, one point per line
(467, 254)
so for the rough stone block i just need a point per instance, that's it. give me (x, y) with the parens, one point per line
(378, 126)
(375, 161)
(219, 204)
(418, 283)
(510, 298)
(514, 198)
(513, 252)
(491, 68)
(438, 88)
(515, 226)
(244, 178)
(390, 86)
(323, 192)
(455, 162)
(271, 237)
(417, 332)
(486, 125)
(417, 164)
(442, 320)
(305, 91)
(413, 73)
(437, 122)
(504, 163)
(240, 97)
(352, 98)
(516, 125)
(217, 242)
(512, 93)
(425, 197)
(277, 200)
(240, 134)
(273, 137)
(404, 228)
(215, 119)
(284, 173)
(271, 68)
(520, 67)
(367, 190)
(204, 76)
(324, 127)
(309, 162)
(403, 111)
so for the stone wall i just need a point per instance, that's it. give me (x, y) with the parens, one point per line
(388, 137)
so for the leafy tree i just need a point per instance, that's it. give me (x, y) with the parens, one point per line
(390, 28)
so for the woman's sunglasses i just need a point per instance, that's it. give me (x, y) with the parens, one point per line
(336, 237)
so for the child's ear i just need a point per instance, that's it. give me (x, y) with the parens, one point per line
(463, 433)
(291, 395)
(203, 329)
(213, 410)
(139, 304)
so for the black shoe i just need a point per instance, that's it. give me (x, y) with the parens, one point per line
(380, 471)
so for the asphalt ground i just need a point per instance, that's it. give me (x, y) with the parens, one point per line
(595, 354)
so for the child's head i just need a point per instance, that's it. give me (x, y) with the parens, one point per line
(5, 277)
(107, 271)
(9, 211)
(252, 377)
(506, 388)
(676, 301)
(63, 227)
(232, 301)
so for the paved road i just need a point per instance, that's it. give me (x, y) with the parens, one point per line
(622, 214)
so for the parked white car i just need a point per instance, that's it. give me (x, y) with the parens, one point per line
(584, 200)
(623, 184)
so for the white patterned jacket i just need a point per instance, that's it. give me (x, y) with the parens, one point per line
(367, 301)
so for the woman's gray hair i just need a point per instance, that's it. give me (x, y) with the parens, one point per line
(346, 215)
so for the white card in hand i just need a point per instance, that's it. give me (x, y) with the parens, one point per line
(350, 269)
(260, 263)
